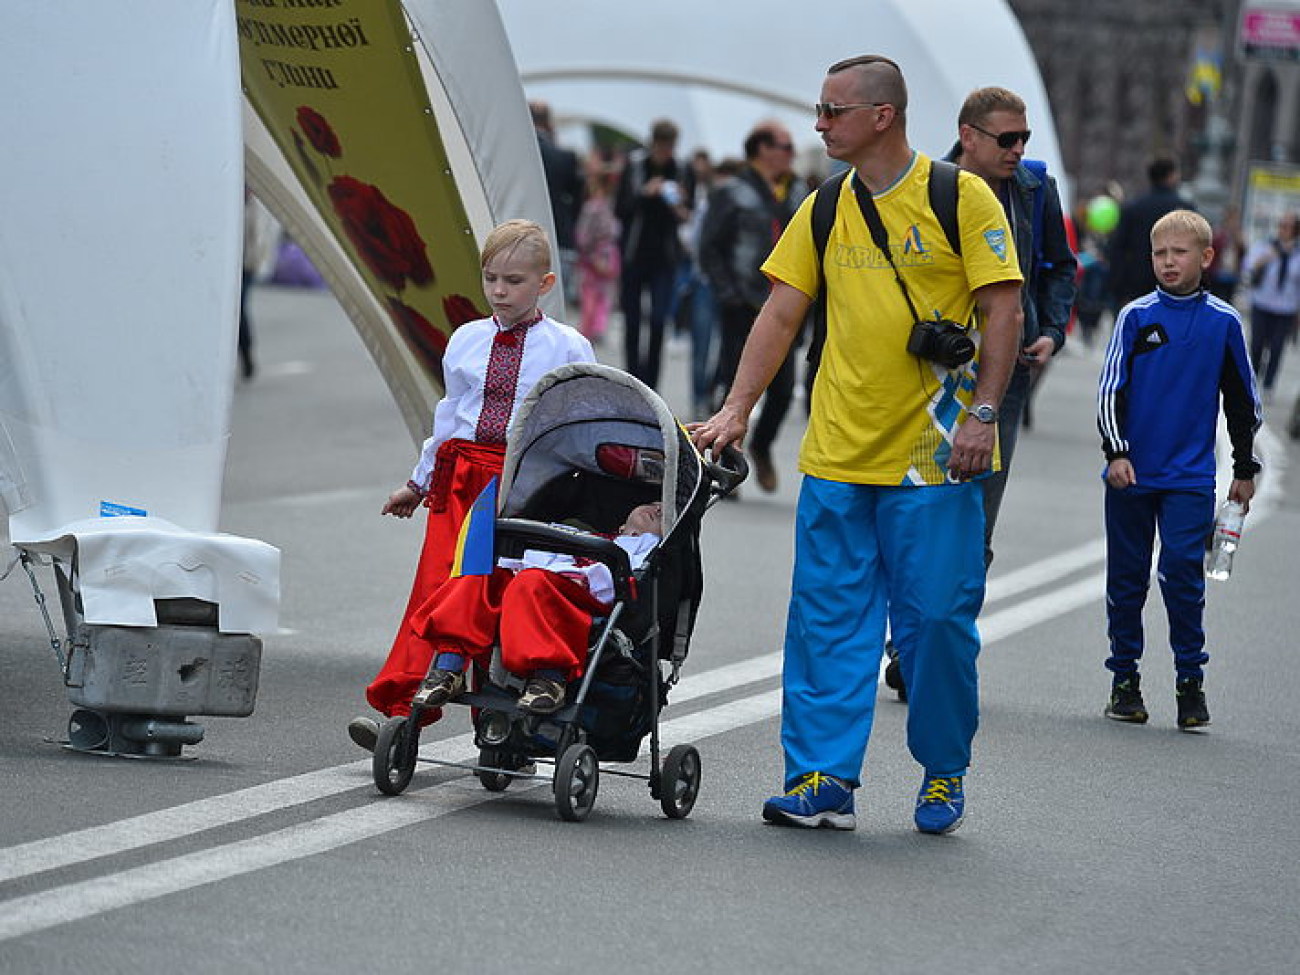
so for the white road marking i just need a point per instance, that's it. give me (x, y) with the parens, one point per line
(69, 902)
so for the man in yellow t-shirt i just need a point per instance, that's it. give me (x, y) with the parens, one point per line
(890, 522)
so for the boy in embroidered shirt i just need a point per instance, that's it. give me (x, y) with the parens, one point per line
(539, 607)
(488, 368)
(1173, 354)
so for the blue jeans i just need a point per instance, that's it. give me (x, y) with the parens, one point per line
(1010, 414)
(1268, 334)
(643, 358)
(864, 553)
(1184, 519)
(704, 326)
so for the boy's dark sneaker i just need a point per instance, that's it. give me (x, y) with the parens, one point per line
(364, 732)
(818, 800)
(439, 688)
(1125, 702)
(542, 696)
(940, 805)
(1192, 712)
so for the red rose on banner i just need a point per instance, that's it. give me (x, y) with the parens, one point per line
(384, 235)
(460, 310)
(318, 132)
(426, 339)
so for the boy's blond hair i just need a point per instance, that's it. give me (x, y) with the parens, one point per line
(513, 234)
(1184, 222)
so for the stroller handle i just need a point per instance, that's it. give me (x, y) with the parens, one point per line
(727, 470)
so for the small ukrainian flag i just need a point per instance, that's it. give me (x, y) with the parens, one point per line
(476, 545)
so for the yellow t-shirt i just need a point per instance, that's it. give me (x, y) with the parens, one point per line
(879, 414)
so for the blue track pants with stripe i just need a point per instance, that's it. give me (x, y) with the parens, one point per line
(1184, 519)
(865, 554)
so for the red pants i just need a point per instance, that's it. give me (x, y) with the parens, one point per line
(462, 471)
(542, 620)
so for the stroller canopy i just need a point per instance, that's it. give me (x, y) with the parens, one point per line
(586, 418)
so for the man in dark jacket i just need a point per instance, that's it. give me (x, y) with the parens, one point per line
(993, 133)
(1129, 250)
(745, 217)
(652, 201)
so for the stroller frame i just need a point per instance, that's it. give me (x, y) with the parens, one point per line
(511, 741)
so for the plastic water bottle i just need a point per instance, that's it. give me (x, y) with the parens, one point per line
(1227, 536)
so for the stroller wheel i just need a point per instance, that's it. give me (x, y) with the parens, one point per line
(394, 760)
(577, 776)
(492, 781)
(679, 783)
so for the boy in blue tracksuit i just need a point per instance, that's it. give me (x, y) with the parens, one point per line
(1173, 354)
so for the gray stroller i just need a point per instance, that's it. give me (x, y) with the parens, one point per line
(588, 444)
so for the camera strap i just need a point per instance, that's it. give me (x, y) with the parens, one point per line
(880, 237)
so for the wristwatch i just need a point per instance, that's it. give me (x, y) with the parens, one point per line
(984, 413)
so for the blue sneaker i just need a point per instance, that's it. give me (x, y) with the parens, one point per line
(818, 800)
(941, 805)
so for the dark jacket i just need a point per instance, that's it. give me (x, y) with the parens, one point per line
(1129, 251)
(1047, 296)
(743, 220)
(564, 186)
(650, 239)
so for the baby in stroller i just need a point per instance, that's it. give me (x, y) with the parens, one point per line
(538, 608)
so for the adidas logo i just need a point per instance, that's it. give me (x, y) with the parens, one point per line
(1152, 337)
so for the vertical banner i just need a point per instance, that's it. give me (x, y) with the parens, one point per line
(1272, 189)
(338, 87)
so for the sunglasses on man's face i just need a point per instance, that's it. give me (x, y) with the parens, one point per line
(830, 110)
(1005, 140)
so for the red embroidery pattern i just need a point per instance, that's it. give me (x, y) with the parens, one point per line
(499, 385)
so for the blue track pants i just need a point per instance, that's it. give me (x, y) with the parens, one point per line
(1184, 519)
(865, 554)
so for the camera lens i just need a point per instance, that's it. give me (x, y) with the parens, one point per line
(956, 349)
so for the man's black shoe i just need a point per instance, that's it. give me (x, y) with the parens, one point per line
(894, 673)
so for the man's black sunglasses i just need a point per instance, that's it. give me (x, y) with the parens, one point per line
(831, 110)
(1005, 140)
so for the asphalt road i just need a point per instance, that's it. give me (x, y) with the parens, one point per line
(1089, 846)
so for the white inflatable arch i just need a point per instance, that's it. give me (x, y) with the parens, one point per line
(717, 68)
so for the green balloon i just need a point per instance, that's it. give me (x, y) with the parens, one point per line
(1103, 214)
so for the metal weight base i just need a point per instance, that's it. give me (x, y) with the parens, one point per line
(131, 735)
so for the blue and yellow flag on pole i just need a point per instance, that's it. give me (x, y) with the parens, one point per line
(476, 545)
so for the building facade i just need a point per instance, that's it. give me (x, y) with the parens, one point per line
(1117, 73)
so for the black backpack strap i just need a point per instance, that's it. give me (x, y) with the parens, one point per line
(825, 200)
(943, 200)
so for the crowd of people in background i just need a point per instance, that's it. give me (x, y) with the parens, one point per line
(636, 239)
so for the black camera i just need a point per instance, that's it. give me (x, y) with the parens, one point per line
(941, 341)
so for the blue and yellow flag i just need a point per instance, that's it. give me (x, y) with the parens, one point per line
(476, 545)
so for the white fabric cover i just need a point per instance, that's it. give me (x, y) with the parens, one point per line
(123, 564)
(120, 255)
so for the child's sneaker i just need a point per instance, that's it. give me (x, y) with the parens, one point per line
(439, 688)
(1192, 711)
(941, 804)
(1125, 702)
(542, 696)
(364, 732)
(818, 800)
